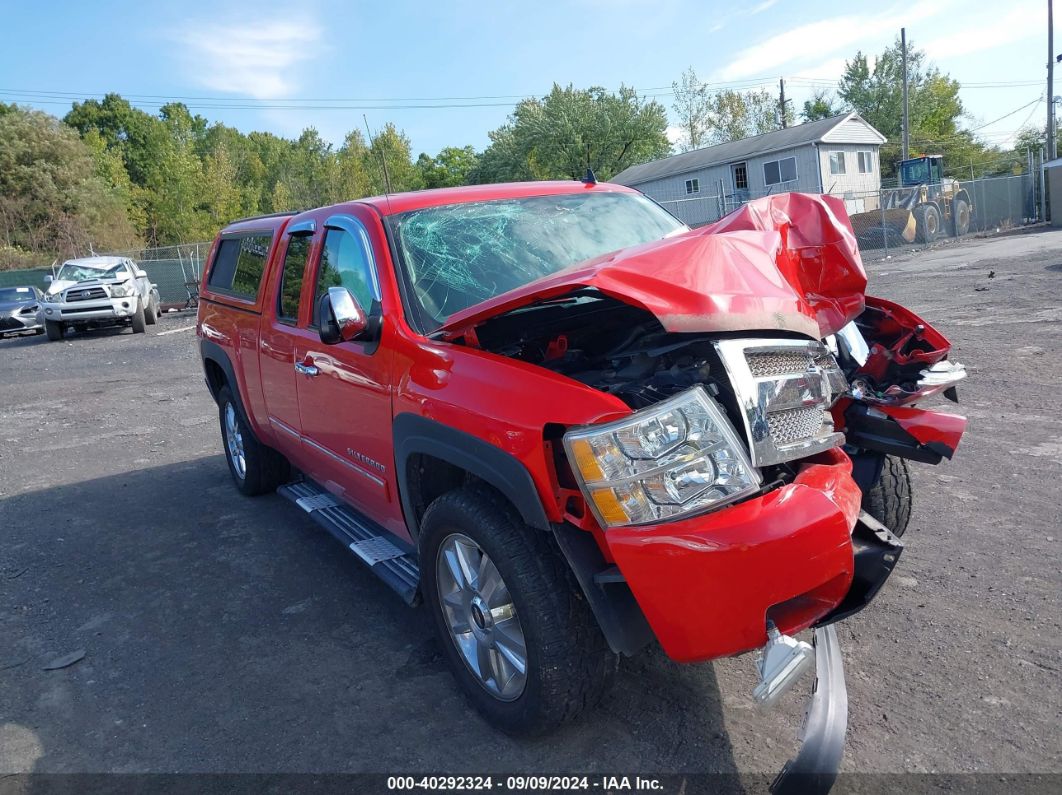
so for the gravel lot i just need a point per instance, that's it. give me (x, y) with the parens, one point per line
(222, 633)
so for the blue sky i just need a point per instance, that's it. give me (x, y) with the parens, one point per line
(283, 66)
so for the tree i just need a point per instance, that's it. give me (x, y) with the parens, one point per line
(822, 105)
(134, 134)
(558, 136)
(734, 115)
(933, 98)
(53, 201)
(693, 105)
(391, 146)
(453, 166)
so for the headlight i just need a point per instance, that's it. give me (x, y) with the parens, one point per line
(53, 298)
(123, 290)
(676, 458)
(29, 310)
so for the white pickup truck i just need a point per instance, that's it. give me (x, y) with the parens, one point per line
(99, 291)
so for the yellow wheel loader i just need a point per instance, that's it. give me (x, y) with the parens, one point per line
(926, 206)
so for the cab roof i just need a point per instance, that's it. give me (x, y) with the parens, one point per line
(396, 203)
(96, 262)
(417, 200)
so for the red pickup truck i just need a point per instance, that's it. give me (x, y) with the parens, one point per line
(573, 426)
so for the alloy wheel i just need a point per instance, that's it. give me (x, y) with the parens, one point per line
(481, 617)
(234, 442)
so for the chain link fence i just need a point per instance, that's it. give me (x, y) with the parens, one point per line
(175, 269)
(890, 220)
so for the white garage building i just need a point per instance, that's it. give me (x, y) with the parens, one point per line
(838, 155)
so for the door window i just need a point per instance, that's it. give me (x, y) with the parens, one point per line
(291, 278)
(345, 263)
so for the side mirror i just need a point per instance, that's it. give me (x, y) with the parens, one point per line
(48, 279)
(341, 317)
(140, 274)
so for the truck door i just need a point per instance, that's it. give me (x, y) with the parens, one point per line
(276, 341)
(344, 390)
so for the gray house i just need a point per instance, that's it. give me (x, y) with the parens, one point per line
(838, 155)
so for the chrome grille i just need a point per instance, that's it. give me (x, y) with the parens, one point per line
(794, 425)
(784, 388)
(86, 294)
(770, 363)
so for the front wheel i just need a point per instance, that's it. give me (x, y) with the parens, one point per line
(151, 312)
(139, 322)
(927, 223)
(960, 211)
(53, 330)
(515, 630)
(889, 499)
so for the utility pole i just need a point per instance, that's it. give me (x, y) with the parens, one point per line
(906, 113)
(1052, 151)
(781, 100)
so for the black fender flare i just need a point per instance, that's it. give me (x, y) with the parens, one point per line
(415, 434)
(211, 351)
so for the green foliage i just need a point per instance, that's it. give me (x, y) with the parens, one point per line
(734, 115)
(709, 117)
(453, 166)
(822, 105)
(556, 137)
(935, 109)
(55, 197)
(693, 106)
(180, 178)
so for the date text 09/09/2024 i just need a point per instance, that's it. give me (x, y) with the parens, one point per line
(524, 783)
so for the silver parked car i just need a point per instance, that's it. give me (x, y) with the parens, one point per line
(99, 291)
(20, 310)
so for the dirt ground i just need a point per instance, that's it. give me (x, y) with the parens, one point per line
(222, 633)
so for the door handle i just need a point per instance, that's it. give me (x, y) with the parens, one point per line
(306, 369)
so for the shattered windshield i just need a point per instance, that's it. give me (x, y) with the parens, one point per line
(80, 273)
(459, 255)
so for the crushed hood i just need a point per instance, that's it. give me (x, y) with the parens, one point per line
(787, 262)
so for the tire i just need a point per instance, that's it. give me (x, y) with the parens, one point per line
(927, 223)
(139, 322)
(960, 216)
(151, 313)
(53, 330)
(568, 665)
(255, 468)
(889, 499)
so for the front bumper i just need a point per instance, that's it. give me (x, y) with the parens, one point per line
(814, 768)
(14, 322)
(707, 585)
(103, 309)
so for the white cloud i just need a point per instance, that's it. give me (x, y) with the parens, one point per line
(763, 7)
(989, 34)
(256, 59)
(811, 42)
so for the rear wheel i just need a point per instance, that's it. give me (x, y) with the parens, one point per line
(53, 330)
(515, 630)
(255, 468)
(889, 499)
(927, 223)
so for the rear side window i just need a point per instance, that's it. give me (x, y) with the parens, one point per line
(239, 265)
(291, 277)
